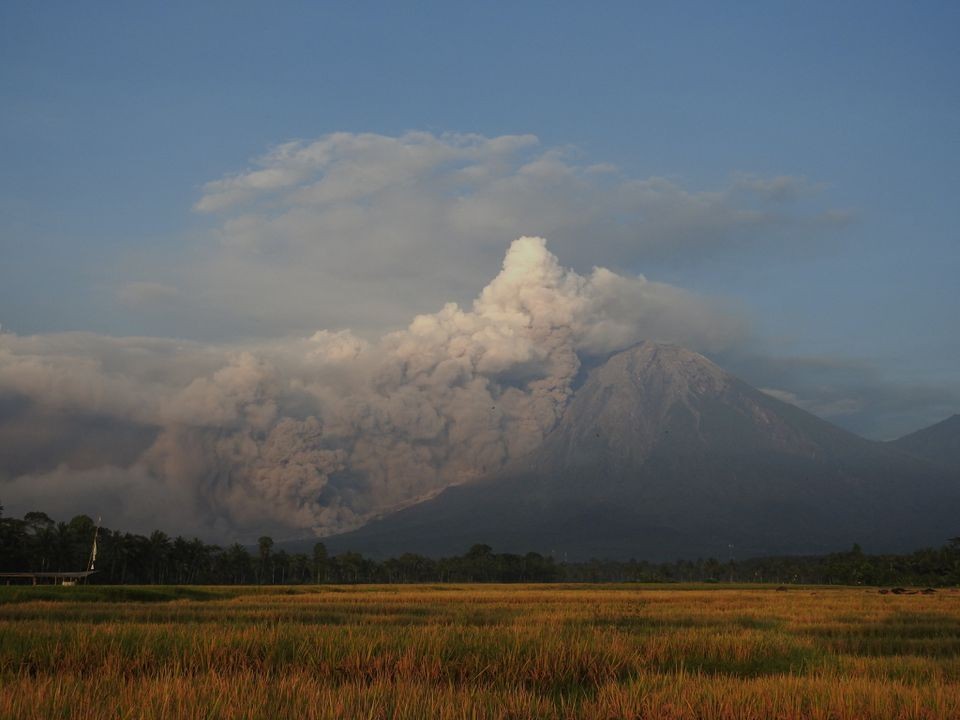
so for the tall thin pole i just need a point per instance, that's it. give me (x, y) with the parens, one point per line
(93, 548)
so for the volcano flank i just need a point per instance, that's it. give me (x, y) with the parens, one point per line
(661, 455)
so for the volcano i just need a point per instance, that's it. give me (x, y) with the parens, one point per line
(662, 455)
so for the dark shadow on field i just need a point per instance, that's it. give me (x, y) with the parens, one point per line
(644, 623)
(795, 660)
(133, 608)
(776, 652)
(110, 593)
(902, 633)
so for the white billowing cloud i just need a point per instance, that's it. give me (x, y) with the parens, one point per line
(346, 166)
(365, 230)
(322, 432)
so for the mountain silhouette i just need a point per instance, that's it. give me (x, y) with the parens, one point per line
(661, 455)
(938, 443)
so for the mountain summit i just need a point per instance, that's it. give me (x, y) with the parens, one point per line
(660, 400)
(661, 454)
(939, 443)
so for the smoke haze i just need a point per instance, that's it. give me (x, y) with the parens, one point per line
(318, 434)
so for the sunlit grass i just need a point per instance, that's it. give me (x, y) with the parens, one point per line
(478, 652)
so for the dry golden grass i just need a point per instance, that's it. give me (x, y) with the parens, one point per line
(483, 652)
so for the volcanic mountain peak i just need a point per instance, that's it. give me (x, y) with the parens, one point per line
(667, 374)
(663, 396)
(626, 406)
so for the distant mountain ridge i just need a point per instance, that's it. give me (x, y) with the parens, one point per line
(938, 443)
(661, 454)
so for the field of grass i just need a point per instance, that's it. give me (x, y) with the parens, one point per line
(478, 652)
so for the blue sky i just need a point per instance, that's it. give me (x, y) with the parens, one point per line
(114, 117)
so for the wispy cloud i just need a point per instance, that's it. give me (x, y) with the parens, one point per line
(364, 230)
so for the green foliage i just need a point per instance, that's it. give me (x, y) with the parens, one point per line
(39, 544)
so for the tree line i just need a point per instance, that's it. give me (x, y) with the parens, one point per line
(37, 543)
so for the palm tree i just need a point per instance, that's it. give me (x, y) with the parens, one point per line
(319, 562)
(158, 549)
(265, 545)
(238, 562)
(63, 546)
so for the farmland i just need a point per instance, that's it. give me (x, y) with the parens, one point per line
(478, 651)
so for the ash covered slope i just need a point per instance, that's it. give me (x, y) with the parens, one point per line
(661, 454)
(939, 443)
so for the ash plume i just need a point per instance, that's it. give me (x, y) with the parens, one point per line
(320, 433)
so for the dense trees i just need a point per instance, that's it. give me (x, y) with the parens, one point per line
(319, 562)
(39, 543)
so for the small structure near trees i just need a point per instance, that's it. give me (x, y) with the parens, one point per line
(57, 578)
(47, 578)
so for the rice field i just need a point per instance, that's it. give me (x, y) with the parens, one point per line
(469, 651)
